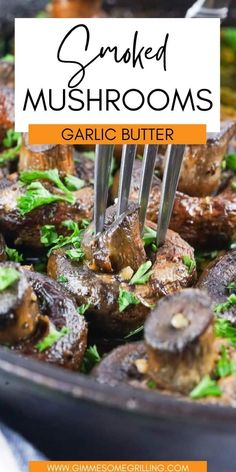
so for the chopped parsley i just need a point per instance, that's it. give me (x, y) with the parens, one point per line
(230, 162)
(127, 298)
(8, 276)
(149, 236)
(51, 338)
(225, 329)
(225, 366)
(37, 195)
(49, 237)
(222, 307)
(12, 143)
(8, 58)
(233, 185)
(190, 263)
(83, 308)
(74, 183)
(231, 287)
(52, 175)
(135, 332)
(91, 358)
(151, 384)
(142, 275)
(13, 255)
(207, 387)
(62, 279)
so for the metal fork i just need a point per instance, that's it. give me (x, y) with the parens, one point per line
(209, 9)
(170, 181)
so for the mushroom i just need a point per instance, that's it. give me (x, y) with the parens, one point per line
(179, 335)
(44, 157)
(178, 349)
(199, 220)
(111, 258)
(32, 307)
(219, 280)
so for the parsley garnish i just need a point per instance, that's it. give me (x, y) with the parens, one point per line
(8, 276)
(91, 358)
(233, 185)
(151, 384)
(12, 142)
(62, 279)
(83, 308)
(190, 263)
(134, 332)
(224, 329)
(142, 275)
(149, 236)
(8, 58)
(225, 366)
(37, 195)
(49, 237)
(231, 287)
(222, 307)
(230, 161)
(74, 183)
(51, 338)
(13, 255)
(52, 175)
(127, 298)
(206, 388)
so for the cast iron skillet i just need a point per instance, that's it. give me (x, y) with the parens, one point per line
(70, 416)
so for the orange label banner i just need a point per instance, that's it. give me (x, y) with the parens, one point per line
(117, 134)
(119, 466)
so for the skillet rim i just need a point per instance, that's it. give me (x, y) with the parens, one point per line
(76, 386)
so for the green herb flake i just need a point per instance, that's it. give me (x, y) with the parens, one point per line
(222, 307)
(135, 332)
(151, 384)
(52, 175)
(74, 183)
(127, 298)
(142, 275)
(12, 143)
(49, 235)
(75, 254)
(190, 263)
(8, 58)
(231, 287)
(37, 195)
(13, 255)
(225, 366)
(206, 388)
(91, 358)
(225, 329)
(149, 236)
(233, 185)
(8, 276)
(154, 247)
(51, 338)
(83, 308)
(62, 279)
(230, 161)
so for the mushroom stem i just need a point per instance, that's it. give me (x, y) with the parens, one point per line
(44, 157)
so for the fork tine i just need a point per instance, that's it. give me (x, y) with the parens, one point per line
(127, 160)
(103, 161)
(149, 159)
(169, 186)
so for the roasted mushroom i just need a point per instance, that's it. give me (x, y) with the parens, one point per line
(44, 157)
(179, 337)
(25, 229)
(111, 258)
(37, 318)
(199, 220)
(219, 280)
(178, 349)
(201, 171)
